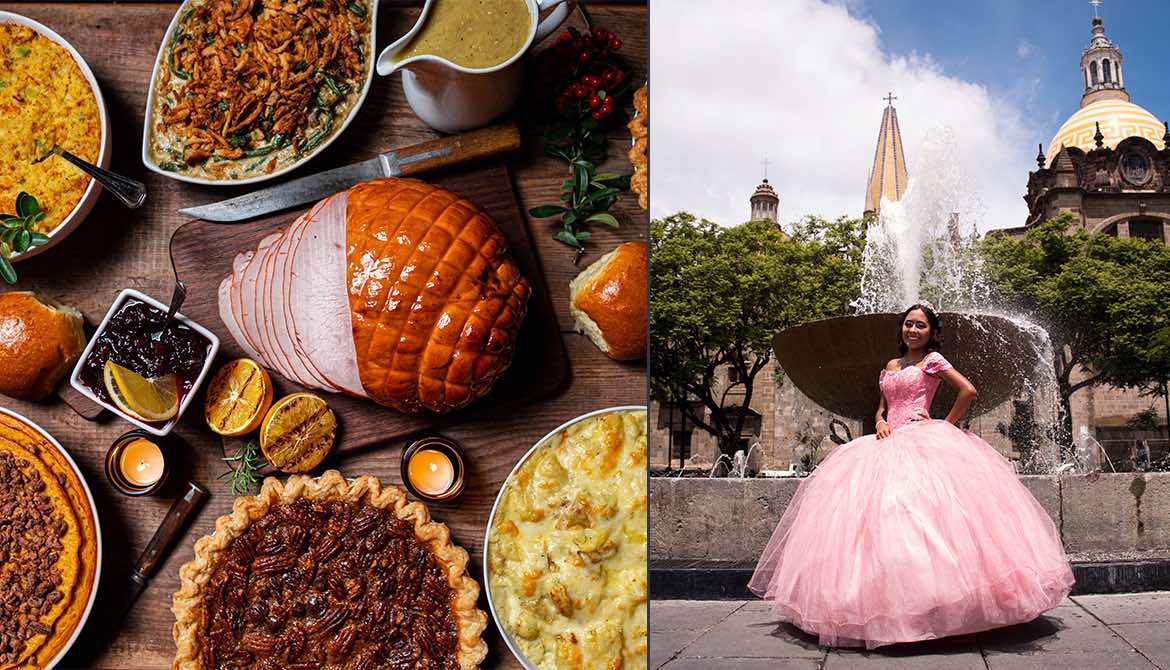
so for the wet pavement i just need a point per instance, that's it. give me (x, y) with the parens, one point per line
(1129, 631)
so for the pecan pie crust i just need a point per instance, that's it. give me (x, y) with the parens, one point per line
(280, 500)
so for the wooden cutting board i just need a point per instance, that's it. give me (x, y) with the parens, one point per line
(203, 253)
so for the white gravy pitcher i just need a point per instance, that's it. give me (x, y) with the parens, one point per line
(451, 98)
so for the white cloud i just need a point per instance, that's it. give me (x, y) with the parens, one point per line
(803, 82)
(1025, 49)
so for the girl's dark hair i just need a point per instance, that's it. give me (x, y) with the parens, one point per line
(935, 341)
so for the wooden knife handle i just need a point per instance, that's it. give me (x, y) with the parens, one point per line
(461, 148)
(171, 529)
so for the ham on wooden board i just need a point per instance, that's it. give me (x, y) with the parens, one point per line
(394, 290)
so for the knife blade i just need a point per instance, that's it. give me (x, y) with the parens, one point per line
(398, 162)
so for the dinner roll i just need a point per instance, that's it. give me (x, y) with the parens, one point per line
(608, 302)
(39, 344)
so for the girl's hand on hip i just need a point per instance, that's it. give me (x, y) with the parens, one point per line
(883, 430)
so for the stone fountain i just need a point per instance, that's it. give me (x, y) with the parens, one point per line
(916, 251)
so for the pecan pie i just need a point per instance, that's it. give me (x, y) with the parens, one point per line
(327, 574)
(48, 547)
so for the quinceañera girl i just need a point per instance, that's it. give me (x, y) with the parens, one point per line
(918, 532)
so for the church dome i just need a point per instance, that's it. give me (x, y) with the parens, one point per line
(1119, 119)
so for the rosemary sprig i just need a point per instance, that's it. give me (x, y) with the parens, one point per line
(17, 234)
(245, 474)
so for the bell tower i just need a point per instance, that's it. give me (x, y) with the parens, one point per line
(1101, 66)
(765, 202)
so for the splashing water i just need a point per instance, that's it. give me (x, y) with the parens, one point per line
(917, 250)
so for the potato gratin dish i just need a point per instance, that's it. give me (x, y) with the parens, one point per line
(567, 549)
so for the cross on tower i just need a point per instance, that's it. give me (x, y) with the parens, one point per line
(766, 167)
(1095, 4)
(890, 97)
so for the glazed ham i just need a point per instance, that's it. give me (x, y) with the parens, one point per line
(395, 290)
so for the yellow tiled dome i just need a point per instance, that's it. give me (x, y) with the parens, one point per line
(1119, 119)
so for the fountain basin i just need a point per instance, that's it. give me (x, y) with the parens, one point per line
(836, 362)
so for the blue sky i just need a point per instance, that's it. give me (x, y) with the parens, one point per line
(980, 83)
(1030, 51)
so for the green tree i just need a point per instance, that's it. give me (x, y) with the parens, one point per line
(1104, 300)
(719, 295)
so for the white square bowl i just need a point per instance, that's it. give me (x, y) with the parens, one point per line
(118, 303)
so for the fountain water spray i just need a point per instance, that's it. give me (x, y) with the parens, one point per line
(917, 250)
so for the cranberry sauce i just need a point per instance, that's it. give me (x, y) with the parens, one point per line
(126, 341)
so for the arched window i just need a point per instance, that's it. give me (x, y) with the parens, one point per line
(1093, 73)
(1108, 72)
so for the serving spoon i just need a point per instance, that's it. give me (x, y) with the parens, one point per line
(132, 193)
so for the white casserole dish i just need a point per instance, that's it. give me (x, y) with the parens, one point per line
(152, 93)
(90, 196)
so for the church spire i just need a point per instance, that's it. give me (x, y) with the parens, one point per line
(1101, 66)
(887, 176)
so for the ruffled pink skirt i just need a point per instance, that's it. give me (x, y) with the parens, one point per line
(925, 534)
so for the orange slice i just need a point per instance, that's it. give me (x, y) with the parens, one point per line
(155, 399)
(237, 398)
(298, 432)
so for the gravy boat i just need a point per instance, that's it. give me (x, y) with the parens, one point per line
(452, 98)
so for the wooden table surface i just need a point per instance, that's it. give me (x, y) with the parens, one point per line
(117, 248)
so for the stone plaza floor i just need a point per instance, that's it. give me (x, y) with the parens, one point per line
(1129, 631)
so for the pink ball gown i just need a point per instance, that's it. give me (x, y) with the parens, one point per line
(924, 534)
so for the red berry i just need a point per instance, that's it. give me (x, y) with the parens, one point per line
(598, 115)
(564, 37)
(579, 43)
(581, 90)
(594, 101)
(592, 80)
(601, 34)
(610, 76)
(618, 76)
(585, 56)
(615, 43)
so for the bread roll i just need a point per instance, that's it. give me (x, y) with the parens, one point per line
(39, 344)
(609, 302)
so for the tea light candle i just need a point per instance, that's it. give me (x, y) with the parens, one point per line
(431, 471)
(432, 468)
(137, 463)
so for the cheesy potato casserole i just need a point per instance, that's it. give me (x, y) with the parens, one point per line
(44, 100)
(567, 547)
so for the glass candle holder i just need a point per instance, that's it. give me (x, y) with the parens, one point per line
(136, 463)
(432, 468)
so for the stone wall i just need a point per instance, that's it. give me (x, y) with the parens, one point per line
(1100, 516)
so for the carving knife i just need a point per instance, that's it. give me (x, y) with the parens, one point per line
(399, 162)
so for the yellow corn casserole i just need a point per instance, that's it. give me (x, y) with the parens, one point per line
(567, 552)
(44, 100)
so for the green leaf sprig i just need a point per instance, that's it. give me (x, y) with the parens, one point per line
(245, 469)
(17, 234)
(588, 78)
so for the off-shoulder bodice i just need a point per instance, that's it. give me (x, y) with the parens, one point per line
(909, 391)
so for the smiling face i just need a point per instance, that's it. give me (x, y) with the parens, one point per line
(915, 330)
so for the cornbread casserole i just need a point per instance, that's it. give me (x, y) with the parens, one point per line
(49, 544)
(44, 100)
(247, 87)
(567, 547)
